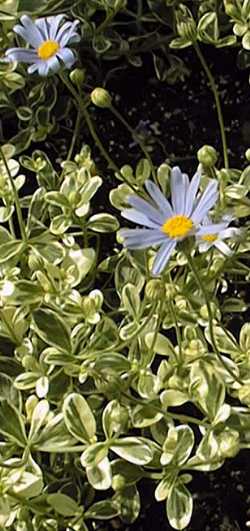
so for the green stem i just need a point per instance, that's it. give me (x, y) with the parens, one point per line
(210, 317)
(83, 109)
(217, 102)
(16, 198)
(75, 134)
(134, 135)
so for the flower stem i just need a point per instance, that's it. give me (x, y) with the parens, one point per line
(16, 198)
(134, 135)
(217, 102)
(210, 317)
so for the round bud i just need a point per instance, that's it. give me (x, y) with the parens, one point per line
(155, 289)
(247, 154)
(207, 156)
(77, 76)
(229, 443)
(118, 482)
(101, 97)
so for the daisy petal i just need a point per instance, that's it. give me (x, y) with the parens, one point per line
(146, 209)
(33, 68)
(163, 256)
(21, 55)
(206, 202)
(191, 193)
(178, 183)
(133, 215)
(53, 64)
(223, 248)
(161, 202)
(71, 33)
(230, 232)
(141, 238)
(67, 56)
(214, 228)
(44, 27)
(43, 68)
(32, 34)
(205, 246)
(54, 23)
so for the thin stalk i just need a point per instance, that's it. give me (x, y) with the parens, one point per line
(210, 317)
(16, 198)
(134, 135)
(217, 102)
(74, 137)
(83, 109)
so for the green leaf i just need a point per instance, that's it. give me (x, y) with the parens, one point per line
(52, 329)
(102, 510)
(38, 418)
(131, 300)
(103, 223)
(11, 424)
(63, 504)
(133, 449)
(27, 292)
(128, 501)
(10, 249)
(99, 475)
(144, 416)
(179, 507)
(54, 436)
(162, 345)
(178, 445)
(79, 418)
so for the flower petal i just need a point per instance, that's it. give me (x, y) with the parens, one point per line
(214, 228)
(191, 193)
(44, 27)
(133, 215)
(54, 23)
(67, 56)
(223, 248)
(230, 232)
(53, 64)
(179, 185)
(71, 33)
(161, 202)
(147, 209)
(206, 202)
(21, 55)
(43, 68)
(163, 256)
(29, 31)
(141, 238)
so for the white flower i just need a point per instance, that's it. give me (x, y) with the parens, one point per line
(49, 40)
(168, 224)
(213, 235)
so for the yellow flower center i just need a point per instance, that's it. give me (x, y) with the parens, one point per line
(209, 237)
(177, 226)
(47, 49)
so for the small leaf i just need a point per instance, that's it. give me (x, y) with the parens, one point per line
(11, 424)
(102, 510)
(79, 418)
(99, 475)
(179, 506)
(52, 329)
(133, 449)
(103, 223)
(63, 504)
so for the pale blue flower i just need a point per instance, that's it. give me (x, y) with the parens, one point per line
(167, 224)
(213, 235)
(49, 41)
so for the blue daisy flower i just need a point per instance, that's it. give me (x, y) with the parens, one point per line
(49, 40)
(167, 224)
(213, 235)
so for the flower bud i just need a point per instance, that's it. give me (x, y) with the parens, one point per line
(77, 76)
(101, 97)
(247, 154)
(118, 482)
(207, 156)
(229, 443)
(155, 289)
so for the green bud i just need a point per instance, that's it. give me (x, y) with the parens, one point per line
(101, 97)
(77, 76)
(244, 394)
(187, 30)
(170, 292)
(207, 156)
(155, 289)
(247, 154)
(229, 443)
(118, 482)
